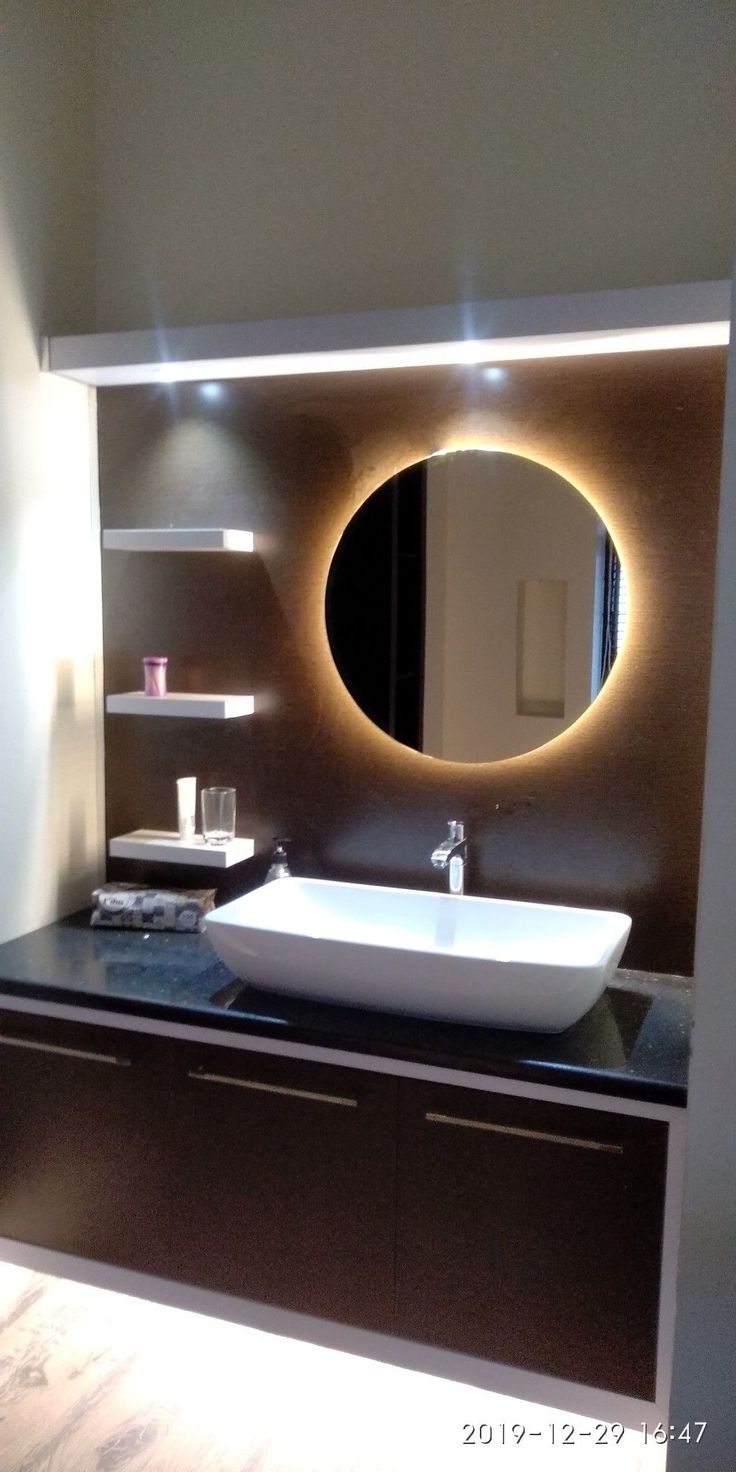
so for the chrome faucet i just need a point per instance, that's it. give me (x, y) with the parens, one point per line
(452, 855)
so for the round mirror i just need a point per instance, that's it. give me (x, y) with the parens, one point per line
(475, 605)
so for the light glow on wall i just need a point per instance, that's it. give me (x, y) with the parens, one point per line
(443, 354)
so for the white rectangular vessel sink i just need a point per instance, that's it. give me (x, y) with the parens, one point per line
(499, 963)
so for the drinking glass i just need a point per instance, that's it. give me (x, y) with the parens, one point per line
(218, 814)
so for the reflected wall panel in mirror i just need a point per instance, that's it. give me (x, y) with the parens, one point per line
(607, 814)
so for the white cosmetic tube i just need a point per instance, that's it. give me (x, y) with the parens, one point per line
(186, 804)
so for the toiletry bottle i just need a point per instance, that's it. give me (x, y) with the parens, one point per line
(279, 862)
(186, 804)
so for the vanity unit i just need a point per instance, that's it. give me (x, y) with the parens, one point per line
(499, 1207)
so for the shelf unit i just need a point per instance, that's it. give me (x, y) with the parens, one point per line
(178, 539)
(181, 704)
(169, 848)
(152, 844)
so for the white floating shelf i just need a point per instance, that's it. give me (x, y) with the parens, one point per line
(205, 707)
(177, 539)
(149, 844)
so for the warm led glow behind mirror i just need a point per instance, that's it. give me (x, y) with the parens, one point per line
(474, 605)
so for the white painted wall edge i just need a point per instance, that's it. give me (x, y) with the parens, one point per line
(705, 1330)
(427, 334)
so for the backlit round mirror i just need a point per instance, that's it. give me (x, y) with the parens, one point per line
(475, 604)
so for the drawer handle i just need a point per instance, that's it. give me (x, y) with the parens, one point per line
(35, 1047)
(247, 1083)
(508, 1129)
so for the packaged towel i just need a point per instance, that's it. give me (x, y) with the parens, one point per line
(130, 907)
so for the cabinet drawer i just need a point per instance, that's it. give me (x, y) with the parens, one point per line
(286, 1174)
(530, 1233)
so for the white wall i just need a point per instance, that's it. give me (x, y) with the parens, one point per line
(705, 1332)
(49, 560)
(493, 521)
(282, 157)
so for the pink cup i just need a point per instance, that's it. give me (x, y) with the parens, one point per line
(154, 675)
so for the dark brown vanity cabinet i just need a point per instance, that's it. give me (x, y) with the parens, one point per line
(285, 1175)
(509, 1228)
(82, 1141)
(531, 1233)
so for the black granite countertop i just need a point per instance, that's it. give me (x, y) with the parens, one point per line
(634, 1042)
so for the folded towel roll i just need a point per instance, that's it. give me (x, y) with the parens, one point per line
(131, 907)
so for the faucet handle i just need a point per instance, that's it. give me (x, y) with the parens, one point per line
(456, 830)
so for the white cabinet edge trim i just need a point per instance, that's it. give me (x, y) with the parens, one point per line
(633, 319)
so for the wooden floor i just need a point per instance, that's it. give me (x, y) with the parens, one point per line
(91, 1381)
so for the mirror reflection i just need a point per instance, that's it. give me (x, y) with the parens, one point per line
(475, 605)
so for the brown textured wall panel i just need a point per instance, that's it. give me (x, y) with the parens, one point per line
(608, 814)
